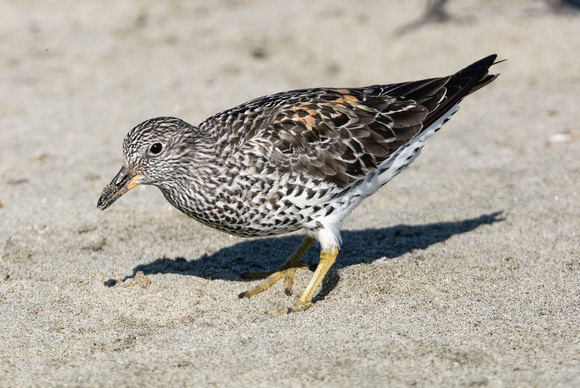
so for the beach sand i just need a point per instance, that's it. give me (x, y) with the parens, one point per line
(463, 271)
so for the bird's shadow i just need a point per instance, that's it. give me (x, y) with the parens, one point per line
(361, 246)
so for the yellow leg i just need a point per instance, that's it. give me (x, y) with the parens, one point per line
(286, 271)
(327, 259)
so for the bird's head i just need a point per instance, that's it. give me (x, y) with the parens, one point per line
(153, 152)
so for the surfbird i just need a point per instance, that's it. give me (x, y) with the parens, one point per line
(301, 159)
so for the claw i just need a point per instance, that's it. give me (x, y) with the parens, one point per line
(299, 306)
(287, 271)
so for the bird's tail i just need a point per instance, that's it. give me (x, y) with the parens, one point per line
(443, 96)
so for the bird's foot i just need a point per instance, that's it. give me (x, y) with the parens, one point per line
(299, 306)
(286, 271)
(271, 278)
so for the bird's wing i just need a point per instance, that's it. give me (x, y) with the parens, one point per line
(340, 135)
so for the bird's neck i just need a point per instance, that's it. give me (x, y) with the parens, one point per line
(193, 188)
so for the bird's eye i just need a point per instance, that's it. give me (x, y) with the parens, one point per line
(156, 148)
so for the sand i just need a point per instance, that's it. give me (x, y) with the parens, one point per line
(463, 271)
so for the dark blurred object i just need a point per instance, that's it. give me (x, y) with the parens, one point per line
(565, 6)
(436, 12)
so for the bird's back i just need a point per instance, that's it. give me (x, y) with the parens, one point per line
(341, 135)
(326, 149)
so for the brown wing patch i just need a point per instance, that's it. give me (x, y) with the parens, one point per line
(340, 135)
(304, 115)
(340, 91)
(345, 97)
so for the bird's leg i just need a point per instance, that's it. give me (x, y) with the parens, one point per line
(327, 259)
(286, 271)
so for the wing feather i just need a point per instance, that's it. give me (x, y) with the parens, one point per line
(341, 135)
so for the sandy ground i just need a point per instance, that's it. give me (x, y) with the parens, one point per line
(463, 271)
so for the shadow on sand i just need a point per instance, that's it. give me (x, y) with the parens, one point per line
(361, 246)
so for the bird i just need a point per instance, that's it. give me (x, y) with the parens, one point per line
(295, 160)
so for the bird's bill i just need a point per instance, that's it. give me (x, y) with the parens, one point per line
(124, 181)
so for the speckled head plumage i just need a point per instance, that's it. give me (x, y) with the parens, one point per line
(157, 146)
(292, 160)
